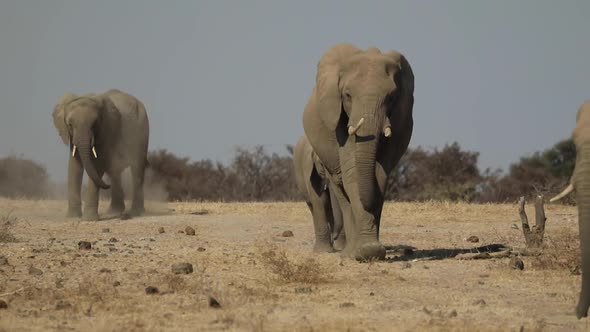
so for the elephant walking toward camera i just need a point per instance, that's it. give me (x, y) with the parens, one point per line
(358, 121)
(106, 133)
(580, 183)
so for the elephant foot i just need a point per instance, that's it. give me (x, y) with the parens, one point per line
(323, 247)
(74, 213)
(340, 243)
(370, 251)
(582, 308)
(116, 209)
(90, 216)
(136, 212)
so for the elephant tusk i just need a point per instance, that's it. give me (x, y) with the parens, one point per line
(564, 193)
(352, 130)
(387, 132)
(94, 152)
(74, 151)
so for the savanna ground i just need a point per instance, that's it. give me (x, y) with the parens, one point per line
(265, 281)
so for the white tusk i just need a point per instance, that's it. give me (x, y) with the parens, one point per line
(564, 193)
(74, 151)
(352, 130)
(387, 132)
(94, 152)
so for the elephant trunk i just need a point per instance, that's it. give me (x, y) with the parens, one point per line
(582, 185)
(84, 148)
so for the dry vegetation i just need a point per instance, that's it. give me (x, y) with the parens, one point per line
(263, 281)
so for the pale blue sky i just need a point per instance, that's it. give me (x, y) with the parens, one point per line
(501, 77)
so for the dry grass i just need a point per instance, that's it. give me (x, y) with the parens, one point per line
(290, 270)
(7, 222)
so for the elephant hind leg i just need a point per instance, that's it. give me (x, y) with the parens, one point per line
(117, 195)
(319, 205)
(137, 203)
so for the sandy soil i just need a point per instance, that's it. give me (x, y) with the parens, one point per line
(264, 281)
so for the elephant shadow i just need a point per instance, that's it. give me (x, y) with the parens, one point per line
(402, 253)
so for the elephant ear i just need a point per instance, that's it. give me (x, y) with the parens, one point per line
(59, 116)
(329, 99)
(109, 123)
(405, 82)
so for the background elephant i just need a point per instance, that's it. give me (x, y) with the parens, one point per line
(313, 184)
(580, 183)
(359, 122)
(106, 133)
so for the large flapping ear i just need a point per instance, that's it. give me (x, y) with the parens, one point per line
(109, 122)
(329, 99)
(405, 82)
(59, 116)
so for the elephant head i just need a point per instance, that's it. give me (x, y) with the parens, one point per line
(80, 122)
(365, 95)
(580, 183)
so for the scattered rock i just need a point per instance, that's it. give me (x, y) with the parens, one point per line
(287, 234)
(84, 245)
(574, 270)
(479, 302)
(116, 284)
(213, 303)
(105, 270)
(200, 212)
(303, 290)
(113, 240)
(3, 260)
(182, 268)
(152, 290)
(514, 226)
(473, 239)
(181, 231)
(113, 249)
(201, 249)
(516, 263)
(371, 294)
(346, 305)
(100, 255)
(130, 251)
(35, 271)
(161, 230)
(125, 216)
(3, 304)
(61, 305)
(189, 230)
(108, 245)
(452, 313)
(106, 230)
(406, 265)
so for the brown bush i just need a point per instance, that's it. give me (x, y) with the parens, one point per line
(21, 177)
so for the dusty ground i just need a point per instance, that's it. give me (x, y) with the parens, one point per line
(104, 288)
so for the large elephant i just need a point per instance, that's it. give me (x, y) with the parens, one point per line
(359, 122)
(106, 133)
(580, 183)
(312, 182)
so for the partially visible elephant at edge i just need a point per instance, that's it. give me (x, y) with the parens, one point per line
(359, 122)
(313, 184)
(580, 183)
(106, 133)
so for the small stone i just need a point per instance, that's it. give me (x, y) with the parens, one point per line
(100, 255)
(517, 263)
(106, 230)
(152, 290)
(3, 304)
(479, 302)
(473, 239)
(35, 271)
(182, 268)
(113, 249)
(3, 260)
(105, 270)
(116, 284)
(200, 212)
(406, 265)
(113, 240)
(287, 234)
(84, 245)
(346, 305)
(303, 290)
(189, 231)
(452, 313)
(161, 230)
(514, 226)
(574, 270)
(61, 305)
(201, 249)
(371, 294)
(213, 303)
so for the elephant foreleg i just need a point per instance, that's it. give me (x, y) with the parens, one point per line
(319, 205)
(349, 229)
(91, 200)
(338, 234)
(75, 172)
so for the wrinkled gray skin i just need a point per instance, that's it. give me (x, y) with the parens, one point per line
(352, 84)
(313, 184)
(580, 184)
(116, 125)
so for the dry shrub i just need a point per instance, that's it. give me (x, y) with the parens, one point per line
(287, 270)
(21, 177)
(561, 252)
(7, 221)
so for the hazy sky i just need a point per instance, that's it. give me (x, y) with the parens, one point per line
(502, 77)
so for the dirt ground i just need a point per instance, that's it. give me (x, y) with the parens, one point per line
(265, 281)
